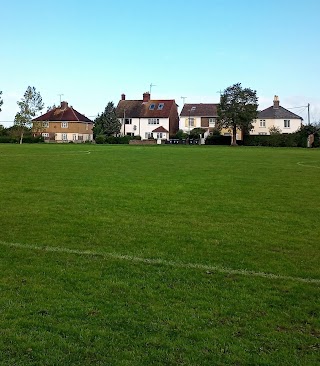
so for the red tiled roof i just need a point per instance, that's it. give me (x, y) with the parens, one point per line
(160, 129)
(140, 109)
(63, 114)
(199, 110)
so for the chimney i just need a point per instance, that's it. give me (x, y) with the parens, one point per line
(276, 102)
(64, 105)
(146, 97)
(123, 97)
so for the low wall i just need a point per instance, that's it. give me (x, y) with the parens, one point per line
(142, 142)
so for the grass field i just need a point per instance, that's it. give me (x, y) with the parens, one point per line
(159, 255)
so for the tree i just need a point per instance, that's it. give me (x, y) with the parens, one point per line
(1, 100)
(30, 105)
(237, 109)
(107, 123)
(274, 130)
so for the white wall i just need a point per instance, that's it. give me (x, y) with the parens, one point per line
(279, 123)
(141, 126)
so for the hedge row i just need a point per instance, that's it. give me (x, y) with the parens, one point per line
(16, 140)
(101, 139)
(277, 140)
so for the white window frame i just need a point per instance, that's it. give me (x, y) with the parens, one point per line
(160, 106)
(159, 135)
(152, 106)
(64, 124)
(64, 137)
(191, 121)
(148, 135)
(74, 137)
(262, 133)
(153, 121)
(286, 123)
(45, 124)
(212, 122)
(128, 121)
(262, 123)
(45, 134)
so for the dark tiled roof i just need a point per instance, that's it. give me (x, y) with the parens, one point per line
(277, 113)
(160, 129)
(139, 109)
(67, 114)
(200, 110)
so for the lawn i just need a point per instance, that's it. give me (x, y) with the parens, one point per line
(159, 255)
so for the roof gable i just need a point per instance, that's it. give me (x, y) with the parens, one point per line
(140, 109)
(63, 114)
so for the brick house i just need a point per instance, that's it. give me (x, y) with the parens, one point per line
(63, 124)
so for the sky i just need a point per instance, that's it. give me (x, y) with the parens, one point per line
(93, 51)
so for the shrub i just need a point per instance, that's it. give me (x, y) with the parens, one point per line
(100, 139)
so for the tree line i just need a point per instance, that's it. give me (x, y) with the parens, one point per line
(237, 109)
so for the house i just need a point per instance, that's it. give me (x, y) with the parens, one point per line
(198, 116)
(148, 118)
(63, 124)
(202, 115)
(277, 117)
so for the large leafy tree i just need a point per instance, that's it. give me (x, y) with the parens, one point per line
(237, 109)
(29, 105)
(107, 123)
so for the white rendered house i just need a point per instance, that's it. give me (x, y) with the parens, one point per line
(276, 117)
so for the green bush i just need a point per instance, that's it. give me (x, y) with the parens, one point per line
(277, 140)
(100, 139)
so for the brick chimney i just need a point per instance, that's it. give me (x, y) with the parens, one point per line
(276, 102)
(123, 97)
(146, 97)
(64, 105)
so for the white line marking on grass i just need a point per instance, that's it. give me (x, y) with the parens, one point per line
(130, 258)
(301, 163)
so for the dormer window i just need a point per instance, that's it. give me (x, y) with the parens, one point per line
(193, 109)
(160, 106)
(152, 106)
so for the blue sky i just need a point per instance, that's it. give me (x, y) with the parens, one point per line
(93, 51)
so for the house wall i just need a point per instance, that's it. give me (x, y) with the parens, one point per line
(173, 120)
(146, 128)
(295, 124)
(75, 131)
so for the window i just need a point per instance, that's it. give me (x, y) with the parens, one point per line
(64, 124)
(191, 122)
(74, 137)
(160, 106)
(286, 123)
(148, 135)
(45, 124)
(262, 133)
(212, 122)
(262, 123)
(45, 134)
(159, 135)
(80, 138)
(152, 106)
(193, 109)
(153, 121)
(130, 134)
(64, 137)
(128, 121)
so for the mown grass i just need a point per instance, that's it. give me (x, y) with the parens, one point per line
(252, 209)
